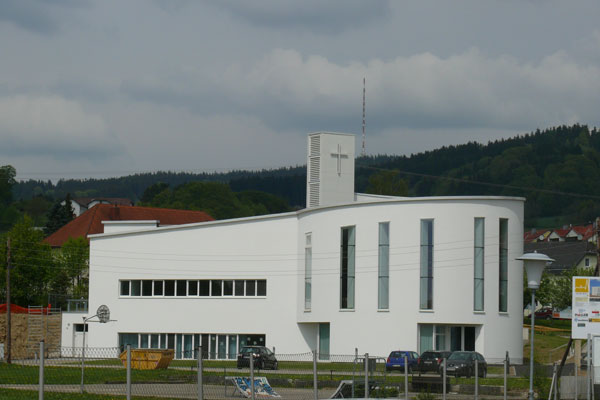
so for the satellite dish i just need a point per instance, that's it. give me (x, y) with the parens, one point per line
(103, 314)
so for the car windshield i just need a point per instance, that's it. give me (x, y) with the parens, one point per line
(250, 350)
(459, 355)
(429, 355)
(397, 354)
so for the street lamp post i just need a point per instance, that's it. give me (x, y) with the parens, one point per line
(534, 266)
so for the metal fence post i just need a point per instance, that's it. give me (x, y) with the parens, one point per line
(405, 377)
(505, 377)
(555, 382)
(128, 386)
(252, 375)
(476, 379)
(41, 382)
(444, 388)
(315, 377)
(366, 375)
(200, 386)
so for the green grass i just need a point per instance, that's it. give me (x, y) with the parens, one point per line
(18, 374)
(13, 394)
(552, 323)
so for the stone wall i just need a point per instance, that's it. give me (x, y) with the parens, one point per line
(21, 347)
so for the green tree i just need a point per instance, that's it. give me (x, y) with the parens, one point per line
(7, 181)
(59, 215)
(31, 262)
(557, 291)
(69, 277)
(387, 183)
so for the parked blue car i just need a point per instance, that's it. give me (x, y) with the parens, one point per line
(395, 360)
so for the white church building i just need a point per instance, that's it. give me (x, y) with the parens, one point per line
(377, 273)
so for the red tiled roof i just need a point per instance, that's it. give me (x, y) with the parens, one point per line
(530, 236)
(90, 222)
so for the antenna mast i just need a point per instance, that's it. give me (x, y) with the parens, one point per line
(363, 153)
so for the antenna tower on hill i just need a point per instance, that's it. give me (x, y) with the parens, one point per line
(363, 153)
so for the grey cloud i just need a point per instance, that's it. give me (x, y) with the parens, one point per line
(39, 16)
(313, 15)
(469, 90)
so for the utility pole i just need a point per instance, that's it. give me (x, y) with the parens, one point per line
(8, 312)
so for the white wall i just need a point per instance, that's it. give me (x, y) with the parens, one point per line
(248, 249)
(272, 248)
(397, 328)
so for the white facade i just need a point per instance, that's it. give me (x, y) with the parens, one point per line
(344, 309)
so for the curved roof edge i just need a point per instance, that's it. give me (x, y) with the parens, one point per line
(298, 213)
(411, 200)
(196, 224)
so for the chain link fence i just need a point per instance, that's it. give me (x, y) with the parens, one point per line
(111, 373)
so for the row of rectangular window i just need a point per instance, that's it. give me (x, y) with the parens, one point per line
(347, 266)
(194, 288)
(214, 346)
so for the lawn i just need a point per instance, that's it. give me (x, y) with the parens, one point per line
(549, 347)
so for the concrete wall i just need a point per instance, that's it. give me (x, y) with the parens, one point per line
(272, 248)
(380, 331)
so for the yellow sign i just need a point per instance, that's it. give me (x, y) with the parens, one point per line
(582, 285)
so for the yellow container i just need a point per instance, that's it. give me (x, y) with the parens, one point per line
(148, 358)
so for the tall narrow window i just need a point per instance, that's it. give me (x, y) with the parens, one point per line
(426, 292)
(347, 268)
(308, 272)
(503, 261)
(384, 266)
(478, 283)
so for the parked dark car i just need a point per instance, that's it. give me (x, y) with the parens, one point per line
(462, 363)
(431, 361)
(395, 360)
(264, 358)
(544, 313)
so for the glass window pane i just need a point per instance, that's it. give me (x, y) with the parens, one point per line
(158, 288)
(146, 288)
(192, 288)
(503, 270)
(136, 288)
(204, 288)
(426, 286)
(239, 288)
(227, 288)
(222, 353)
(383, 267)
(347, 268)
(181, 288)
(188, 351)
(154, 341)
(324, 341)
(124, 288)
(170, 288)
(261, 287)
(250, 288)
(216, 287)
(232, 347)
(178, 349)
(143, 341)
(478, 264)
(425, 338)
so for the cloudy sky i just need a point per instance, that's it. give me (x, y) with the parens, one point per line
(111, 87)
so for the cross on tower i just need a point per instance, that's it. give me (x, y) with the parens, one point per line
(339, 155)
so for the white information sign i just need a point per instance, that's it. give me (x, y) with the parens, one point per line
(585, 318)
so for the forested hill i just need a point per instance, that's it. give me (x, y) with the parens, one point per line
(558, 170)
